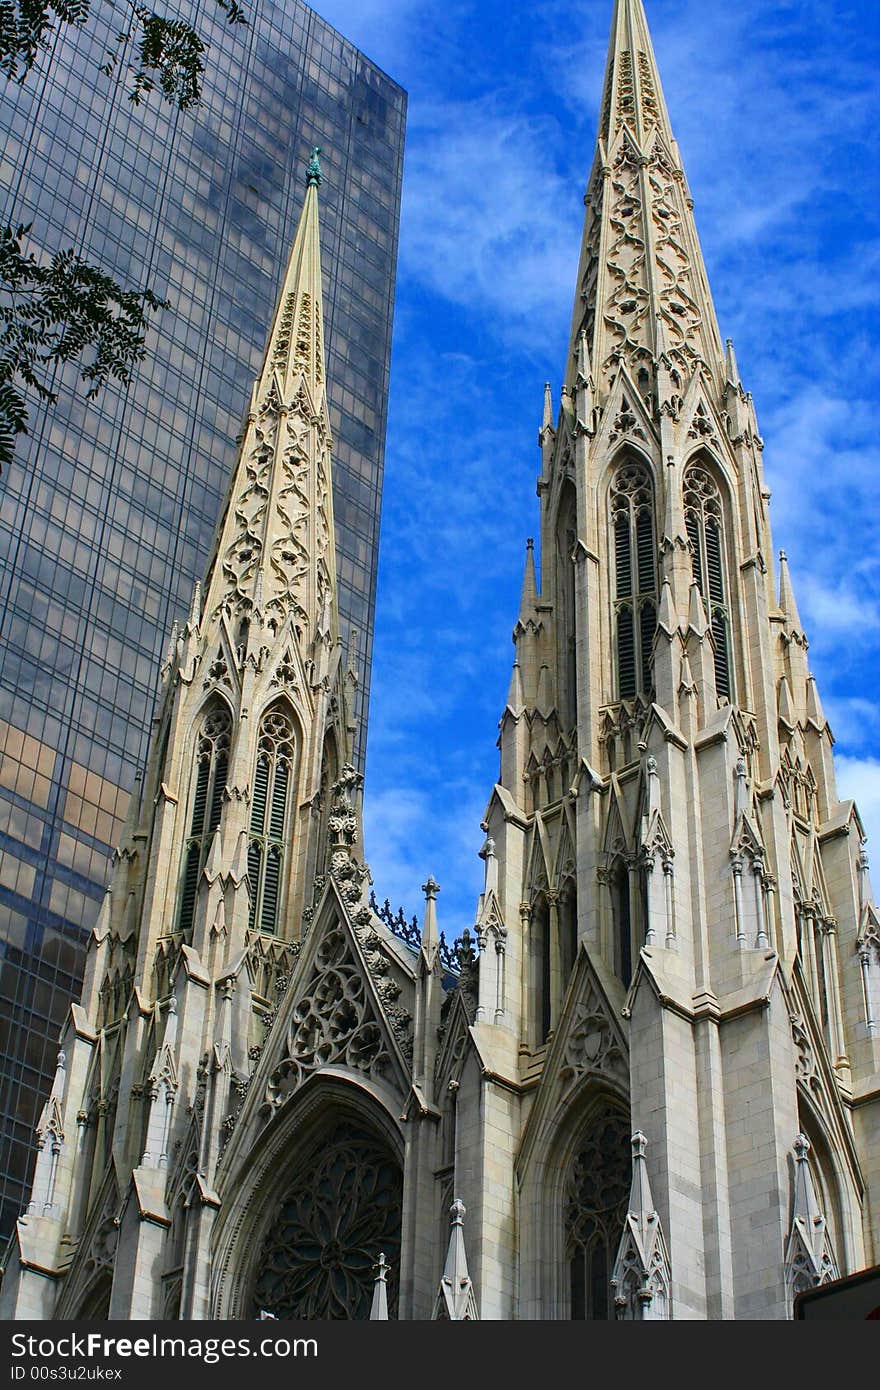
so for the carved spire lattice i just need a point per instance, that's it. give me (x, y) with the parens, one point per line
(274, 553)
(642, 289)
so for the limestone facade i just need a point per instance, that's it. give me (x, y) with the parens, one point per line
(647, 1087)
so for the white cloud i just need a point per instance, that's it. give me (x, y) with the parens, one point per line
(487, 221)
(772, 108)
(411, 832)
(835, 609)
(859, 779)
(385, 30)
(855, 722)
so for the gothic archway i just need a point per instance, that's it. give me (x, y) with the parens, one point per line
(324, 1235)
(95, 1306)
(595, 1200)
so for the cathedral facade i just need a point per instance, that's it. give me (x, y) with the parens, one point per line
(647, 1085)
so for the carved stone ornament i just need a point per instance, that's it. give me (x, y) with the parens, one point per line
(592, 1047)
(701, 426)
(342, 1210)
(333, 1024)
(626, 422)
(244, 552)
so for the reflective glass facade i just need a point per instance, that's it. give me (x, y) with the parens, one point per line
(106, 518)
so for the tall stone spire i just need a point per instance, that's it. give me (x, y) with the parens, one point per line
(631, 93)
(227, 841)
(274, 548)
(668, 840)
(641, 276)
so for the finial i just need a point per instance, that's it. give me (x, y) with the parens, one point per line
(530, 543)
(313, 169)
(731, 363)
(787, 601)
(801, 1147)
(455, 1297)
(547, 417)
(195, 611)
(430, 934)
(583, 359)
(379, 1308)
(639, 1144)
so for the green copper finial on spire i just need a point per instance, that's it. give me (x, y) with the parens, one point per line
(313, 169)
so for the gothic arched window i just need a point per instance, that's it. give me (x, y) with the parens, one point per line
(212, 764)
(270, 798)
(568, 930)
(540, 969)
(324, 1239)
(635, 578)
(596, 1201)
(540, 953)
(622, 919)
(705, 527)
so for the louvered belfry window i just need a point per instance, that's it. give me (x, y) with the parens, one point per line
(270, 796)
(705, 528)
(212, 764)
(635, 578)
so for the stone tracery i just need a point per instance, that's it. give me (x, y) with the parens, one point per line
(341, 1211)
(334, 1023)
(596, 1196)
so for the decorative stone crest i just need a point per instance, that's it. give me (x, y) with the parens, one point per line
(641, 1280)
(809, 1254)
(592, 1047)
(626, 422)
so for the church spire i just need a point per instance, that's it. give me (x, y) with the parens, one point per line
(529, 593)
(274, 552)
(296, 342)
(641, 283)
(787, 601)
(632, 94)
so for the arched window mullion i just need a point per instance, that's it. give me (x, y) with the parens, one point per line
(626, 653)
(647, 629)
(635, 578)
(622, 919)
(269, 818)
(206, 805)
(705, 528)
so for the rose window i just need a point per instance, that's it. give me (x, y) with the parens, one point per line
(328, 1231)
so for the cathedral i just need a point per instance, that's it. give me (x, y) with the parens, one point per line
(646, 1085)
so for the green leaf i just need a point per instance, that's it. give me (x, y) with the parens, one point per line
(56, 312)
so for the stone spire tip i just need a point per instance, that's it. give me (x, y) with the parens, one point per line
(430, 933)
(314, 177)
(379, 1309)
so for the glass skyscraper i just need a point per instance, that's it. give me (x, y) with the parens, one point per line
(107, 515)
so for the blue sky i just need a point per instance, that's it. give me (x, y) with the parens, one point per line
(773, 105)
